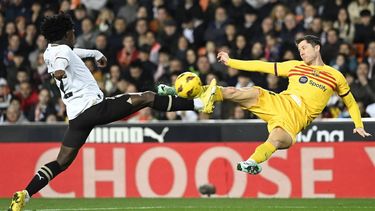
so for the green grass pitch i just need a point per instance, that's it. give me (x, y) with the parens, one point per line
(202, 204)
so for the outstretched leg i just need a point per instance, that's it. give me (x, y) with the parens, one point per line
(277, 139)
(73, 140)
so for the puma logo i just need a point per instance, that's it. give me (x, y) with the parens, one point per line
(152, 134)
(40, 177)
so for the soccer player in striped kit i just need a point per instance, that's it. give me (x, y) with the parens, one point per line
(85, 103)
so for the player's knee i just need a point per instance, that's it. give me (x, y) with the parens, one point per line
(65, 161)
(64, 164)
(280, 139)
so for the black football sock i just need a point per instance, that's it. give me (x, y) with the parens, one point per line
(45, 174)
(172, 103)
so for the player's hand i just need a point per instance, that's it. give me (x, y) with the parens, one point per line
(102, 62)
(223, 57)
(361, 132)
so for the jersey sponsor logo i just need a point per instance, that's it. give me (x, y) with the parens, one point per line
(320, 86)
(303, 79)
(319, 135)
(126, 135)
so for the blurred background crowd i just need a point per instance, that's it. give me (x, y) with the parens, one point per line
(148, 42)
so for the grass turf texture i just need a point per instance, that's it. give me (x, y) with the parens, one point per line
(202, 204)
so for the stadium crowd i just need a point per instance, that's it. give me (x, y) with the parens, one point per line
(148, 42)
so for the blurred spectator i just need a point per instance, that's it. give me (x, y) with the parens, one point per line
(191, 60)
(316, 28)
(105, 20)
(169, 36)
(289, 29)
(331, 8)
(116, 37)
(251, 22)
(155, 47)
(129, 11)
(16, 8)
(356, 6)
(111, 80)
(161, 15)
(41, 45)
(216, 29)
(230, 35)
(36, 13)
(204, 67)
(5, 97)
(182, 47)
(40, 73)
(361, 88)
(27, 96)
(79, 13)
(364, 32)
(308, 15)
(278, 14)
(14, 115)
(87, 38)
(101, 44)
(331, 47)
(141, 29)
(188, 8)
(346, 49)
(95, 5)
(244, 80)
(44, 108)
(139, 77)
(144, 57)
(21, 26)
(241, 49)
(128, 53)
(266, 28)
(272, 48)
(371, 60)
(163, 64)
(344, 26)
(340, 63)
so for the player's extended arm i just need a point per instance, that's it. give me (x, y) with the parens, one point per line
(86, 53)
(275, 68)
(355, 114)
(252, 65)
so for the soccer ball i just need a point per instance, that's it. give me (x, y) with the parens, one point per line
(188, 85)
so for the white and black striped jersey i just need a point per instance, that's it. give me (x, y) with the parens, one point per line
(78, 88)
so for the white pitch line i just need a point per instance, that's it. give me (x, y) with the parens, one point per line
(204, 207)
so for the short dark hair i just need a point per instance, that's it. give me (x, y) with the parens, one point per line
(312, 39)
(55, 27)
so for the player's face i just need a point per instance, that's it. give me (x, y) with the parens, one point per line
(307, 52)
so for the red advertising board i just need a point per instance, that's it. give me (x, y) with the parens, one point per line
(330, 170)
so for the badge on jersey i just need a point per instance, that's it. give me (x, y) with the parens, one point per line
(303, 79)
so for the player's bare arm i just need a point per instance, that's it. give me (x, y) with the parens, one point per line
(100, 59)
(59, 74)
